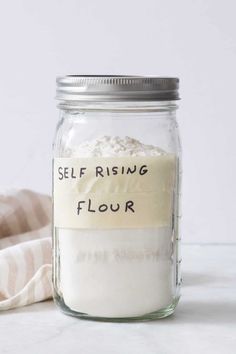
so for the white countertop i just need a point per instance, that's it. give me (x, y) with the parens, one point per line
(204, 322)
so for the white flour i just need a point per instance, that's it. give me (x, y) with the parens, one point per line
(114, 146)
(116, 272)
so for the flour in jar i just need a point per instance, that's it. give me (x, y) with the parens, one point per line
(113, 146)
(109, 273)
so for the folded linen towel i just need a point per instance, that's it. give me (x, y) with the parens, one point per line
(25, 248)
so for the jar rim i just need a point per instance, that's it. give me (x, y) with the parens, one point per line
(116, 88)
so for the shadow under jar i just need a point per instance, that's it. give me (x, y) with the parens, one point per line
(116, 187)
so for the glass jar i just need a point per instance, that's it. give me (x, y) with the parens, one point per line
(116, 188)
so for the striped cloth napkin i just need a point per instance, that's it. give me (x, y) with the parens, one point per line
(25, 248)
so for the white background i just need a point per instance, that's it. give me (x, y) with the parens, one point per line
(195, 40)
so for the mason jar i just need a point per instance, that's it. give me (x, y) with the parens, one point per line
(116, 189)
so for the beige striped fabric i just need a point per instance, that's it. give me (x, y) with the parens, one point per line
(25, 248)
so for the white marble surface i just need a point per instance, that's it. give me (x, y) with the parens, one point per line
(204, 322)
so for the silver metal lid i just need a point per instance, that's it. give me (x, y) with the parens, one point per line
(116, 88)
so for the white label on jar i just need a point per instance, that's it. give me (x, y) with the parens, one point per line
(108, 192)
